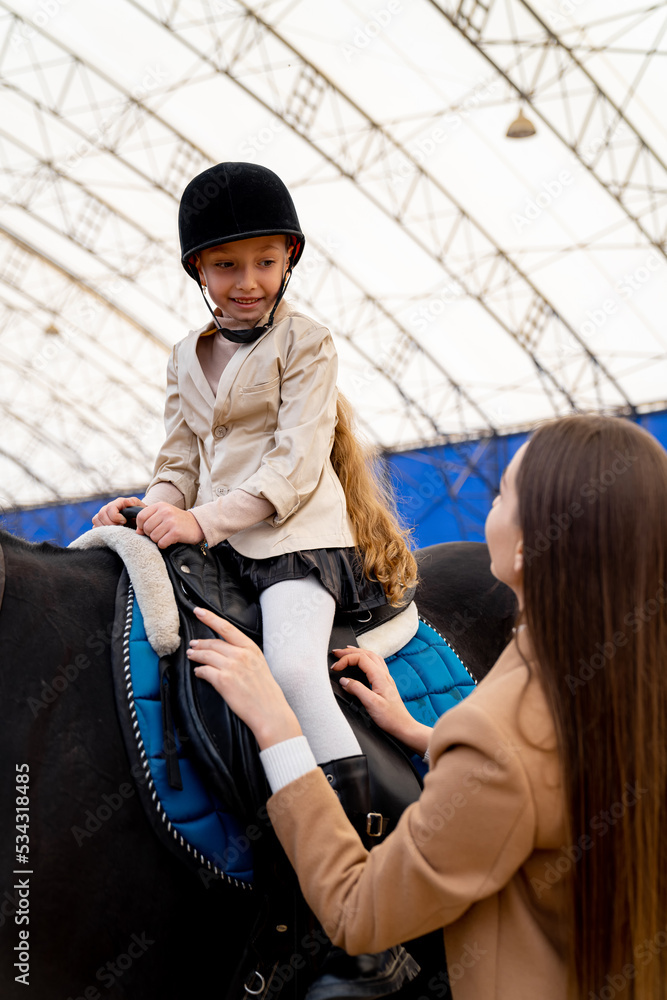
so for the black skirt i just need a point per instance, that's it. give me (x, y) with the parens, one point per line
(339, 571)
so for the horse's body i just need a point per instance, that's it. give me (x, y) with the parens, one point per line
(108, 911)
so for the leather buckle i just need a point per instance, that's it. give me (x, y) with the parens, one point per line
(375, 824)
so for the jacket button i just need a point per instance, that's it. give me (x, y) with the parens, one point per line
(219, 432)
(222, 491)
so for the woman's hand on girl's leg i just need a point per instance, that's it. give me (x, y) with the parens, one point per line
(382, 700)
(235, 666)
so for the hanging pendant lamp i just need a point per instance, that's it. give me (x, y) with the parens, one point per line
(521, 127)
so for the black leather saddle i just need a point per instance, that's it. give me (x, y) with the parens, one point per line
(219, 743)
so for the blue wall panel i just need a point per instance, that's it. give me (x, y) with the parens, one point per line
(444, 492)
(59, 523)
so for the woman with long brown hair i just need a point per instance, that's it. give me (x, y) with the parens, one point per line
(537, 843)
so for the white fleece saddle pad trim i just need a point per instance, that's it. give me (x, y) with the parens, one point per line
(387, 639)
(149, 577)
(155, 595)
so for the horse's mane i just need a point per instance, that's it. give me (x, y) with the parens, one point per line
(51, 553)
(42, 548)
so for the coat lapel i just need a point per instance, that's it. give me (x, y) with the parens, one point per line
(236, 361)
(189, 362)
(230, 372)
(192, 365)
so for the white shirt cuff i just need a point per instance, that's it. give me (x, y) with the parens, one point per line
(287, 761)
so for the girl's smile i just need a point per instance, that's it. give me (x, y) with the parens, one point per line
(244, 277)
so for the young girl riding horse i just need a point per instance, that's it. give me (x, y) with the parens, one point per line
(260, 458)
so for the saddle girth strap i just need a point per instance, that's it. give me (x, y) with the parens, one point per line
(170, 745)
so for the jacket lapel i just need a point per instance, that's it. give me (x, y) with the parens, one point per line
(230, 372)
(235, 363)
(188, 362)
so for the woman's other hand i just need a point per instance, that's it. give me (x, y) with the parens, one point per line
(382, 700)
(235, 666)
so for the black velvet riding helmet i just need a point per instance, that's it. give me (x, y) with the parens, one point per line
(235, 201)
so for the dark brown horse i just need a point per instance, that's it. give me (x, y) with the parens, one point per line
(100, 910)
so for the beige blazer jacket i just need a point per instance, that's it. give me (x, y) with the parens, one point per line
(268, 430)
(479, 854)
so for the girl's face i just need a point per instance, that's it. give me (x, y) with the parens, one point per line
(244, 277)
(503, 535)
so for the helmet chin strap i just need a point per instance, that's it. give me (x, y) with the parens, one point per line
(246, 336)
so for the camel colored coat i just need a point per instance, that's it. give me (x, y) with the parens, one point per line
(268, 431)
(476, 855)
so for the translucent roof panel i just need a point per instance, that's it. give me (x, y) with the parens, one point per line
(474, 283)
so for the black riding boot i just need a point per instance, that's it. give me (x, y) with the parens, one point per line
(343, 976)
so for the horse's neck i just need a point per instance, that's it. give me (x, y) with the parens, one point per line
(67, 582)
(54, 604)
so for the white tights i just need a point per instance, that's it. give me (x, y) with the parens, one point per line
(297, 616)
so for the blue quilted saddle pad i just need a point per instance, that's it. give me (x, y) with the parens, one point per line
(196, 818)
(430, 678)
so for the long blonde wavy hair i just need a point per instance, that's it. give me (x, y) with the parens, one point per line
(382, 542)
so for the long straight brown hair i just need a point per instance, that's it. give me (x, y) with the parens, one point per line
(592, 495)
